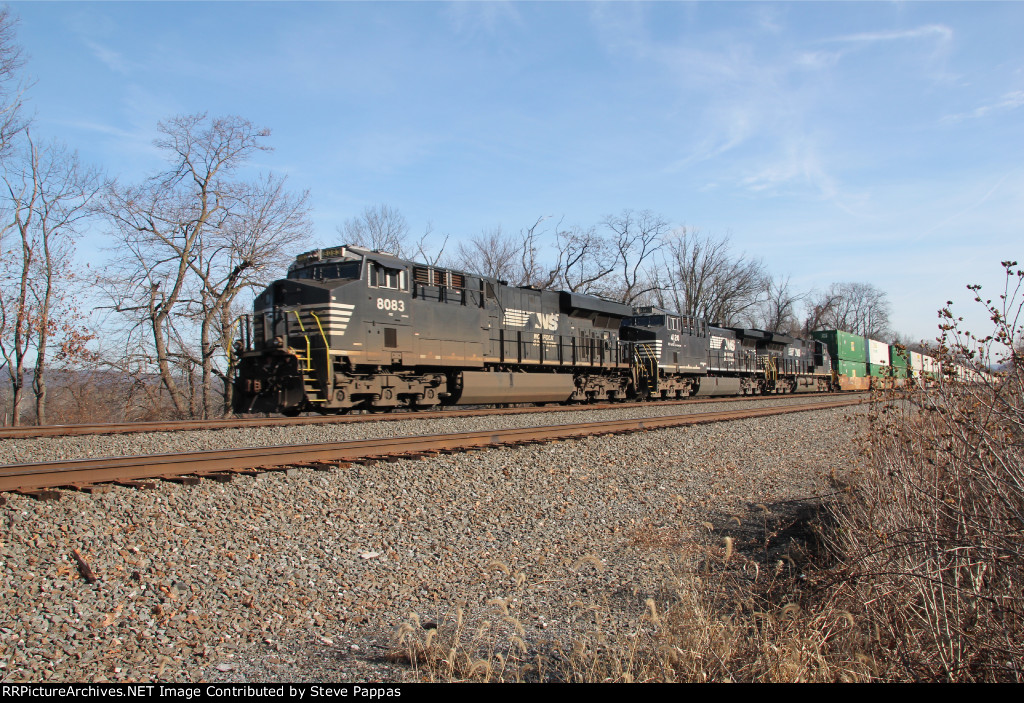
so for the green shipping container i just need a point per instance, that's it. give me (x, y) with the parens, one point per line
(879, 371)
(843, 345)
(852, 369)
(899, 358)
(899, 372)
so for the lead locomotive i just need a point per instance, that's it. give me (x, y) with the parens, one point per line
(353, 328)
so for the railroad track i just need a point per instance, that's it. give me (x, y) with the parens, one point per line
(220, 424)
(40, 479)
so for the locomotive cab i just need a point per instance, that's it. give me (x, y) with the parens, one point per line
(677, 342)
(338, 310)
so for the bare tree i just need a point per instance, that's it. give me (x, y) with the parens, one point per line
(532, 271)
(636, 238)
(379, 227)
(585, 260)
(12, 87)
(490, 253)
(858, 308)
(701, 276)
(48, 192)
(776, 311)
(263, 228)
(189, 239)
(427, 253)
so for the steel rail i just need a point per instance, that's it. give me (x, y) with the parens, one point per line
(219, 463)
(33, 431)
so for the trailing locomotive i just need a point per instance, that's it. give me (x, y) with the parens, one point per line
(353, 328)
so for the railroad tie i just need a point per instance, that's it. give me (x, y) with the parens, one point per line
(90, 488)
(184, 480)
(40, 493)
(144, 485)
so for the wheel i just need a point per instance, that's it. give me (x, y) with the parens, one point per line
(291, 412)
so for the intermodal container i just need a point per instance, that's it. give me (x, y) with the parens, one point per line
(878, 353)
(879, 371)
(842, 345)
(899, 356)
(852, 369)
(916, 362)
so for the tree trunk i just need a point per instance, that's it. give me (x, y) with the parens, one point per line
(39, 384)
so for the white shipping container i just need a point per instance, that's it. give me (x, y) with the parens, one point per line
(916, 361)
(930, 365)
(878, 353)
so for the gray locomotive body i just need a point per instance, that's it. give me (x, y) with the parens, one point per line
(681, 355)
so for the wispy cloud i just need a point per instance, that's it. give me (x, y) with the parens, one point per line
(800, 161)
(934, 40)
(482, 17)
(110, 58)
(942, 32)
(96, 127)
(1009, 101)
(735, 126)
(976, 200)
(750, 100)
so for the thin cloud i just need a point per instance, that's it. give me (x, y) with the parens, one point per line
(800, 162)
(982, 199)
(1009, 101)
(486, 17)
(943, 32)
(97, 127)
(110, 58)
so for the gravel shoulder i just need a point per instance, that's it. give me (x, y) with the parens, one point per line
(304, 577)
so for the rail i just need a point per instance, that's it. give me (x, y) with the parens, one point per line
(84, 474)
(31, 431)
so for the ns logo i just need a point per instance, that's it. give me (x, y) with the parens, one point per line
(521, 318)
(547, 321)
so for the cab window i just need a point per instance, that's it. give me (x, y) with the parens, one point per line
(347, 270)
(384, 277)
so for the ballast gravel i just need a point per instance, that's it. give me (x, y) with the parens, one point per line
(19, 451)
(305, 575)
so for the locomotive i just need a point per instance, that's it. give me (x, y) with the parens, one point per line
(352, 328)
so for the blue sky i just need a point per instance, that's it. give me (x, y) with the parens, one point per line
(875, 142)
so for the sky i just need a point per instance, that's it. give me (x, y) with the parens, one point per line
(838, 141)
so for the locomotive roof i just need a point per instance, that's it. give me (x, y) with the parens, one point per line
(773, 337)
(347, 252)
(652, 310)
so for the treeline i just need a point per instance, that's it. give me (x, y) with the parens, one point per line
(190, 244)
(638, 258)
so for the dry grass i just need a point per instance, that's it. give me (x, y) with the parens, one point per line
(729, 616)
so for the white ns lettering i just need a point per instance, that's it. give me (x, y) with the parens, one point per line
(547, 322)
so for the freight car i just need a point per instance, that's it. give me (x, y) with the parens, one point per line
(862, 363)
(353, 328)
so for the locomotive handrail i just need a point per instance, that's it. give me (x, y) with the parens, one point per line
(327, 345)
(309, 349)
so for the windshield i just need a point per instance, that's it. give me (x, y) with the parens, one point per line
(648, 321)
(347, 270)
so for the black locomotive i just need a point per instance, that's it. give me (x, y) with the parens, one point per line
(353, 328)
